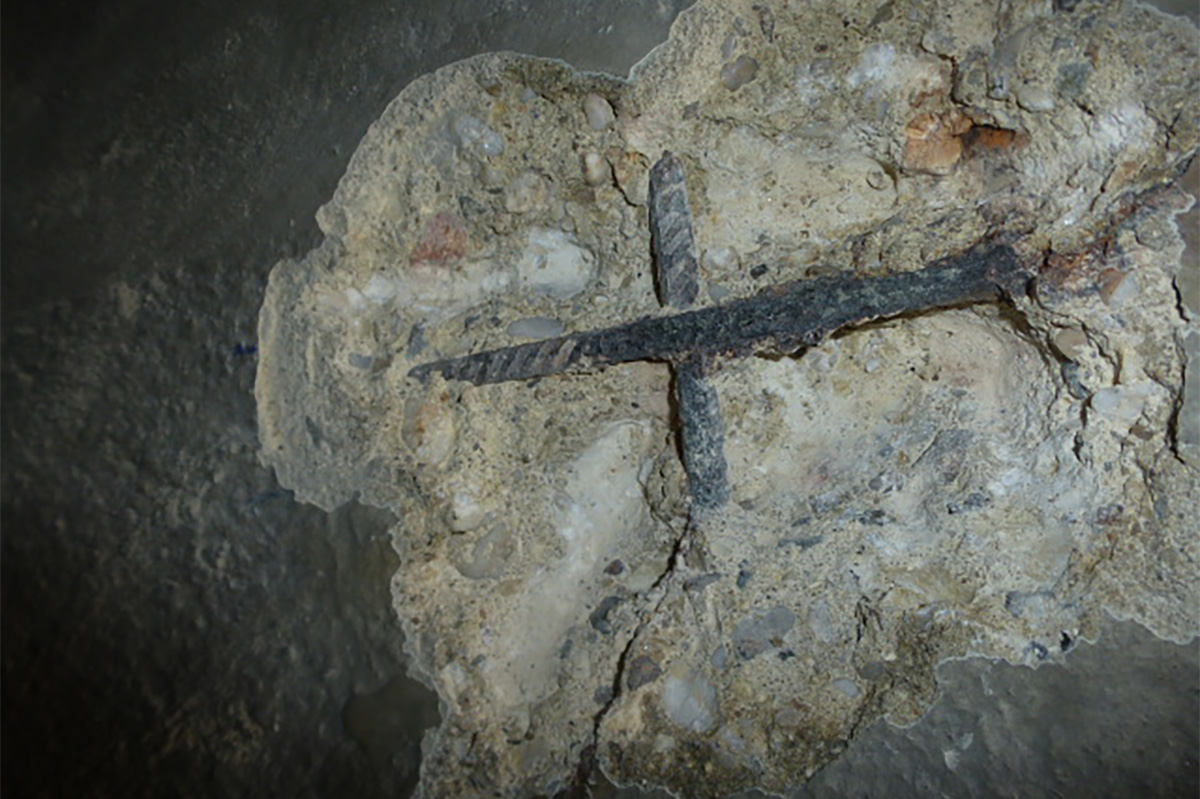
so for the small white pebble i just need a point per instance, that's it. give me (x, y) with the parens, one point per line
(722, 259)
(938, 43)
(355, 300)
(525, 193)
(690, 703)
(379, 290)
(555, 265)
(599, 112)
(464, 513)
(536, 327)
(1071, 343)
(1106, 400)
(847, 687)
(1120, 405)
(1035, 98)
(739, 72)
(596, 170)
(474, 135)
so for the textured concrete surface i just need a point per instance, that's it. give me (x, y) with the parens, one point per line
(894, 504)
(175, 624)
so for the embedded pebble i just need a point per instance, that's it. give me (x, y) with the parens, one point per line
(728, 46)
(1035, 98)
(642, 671)
(355, 301)
(555, 265)
(739, 72)
(632, 174)
(1071, 342)
(938, 43)
(416, 341)
(878, 180)
(1036, 603)
(360, 361)
(822, 270)
(526, 193)
(690, 703)
(820, 620)
(487, 558)
(1120, 404)
(599, 617)
(431, 432)
(933, 144)
(1118, 287)
(761, 630)
(1073, 78)
(491, 177)
(596, 170)
(887, 482)
(476, 136)
(1106, 400)
(847, 687)
(536, 327)
(380, 290)
(599, 112)
(464, 513)
(722, 259)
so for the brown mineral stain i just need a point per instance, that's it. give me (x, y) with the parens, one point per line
(443, 239)
(1109, 281)
(984, 140)
(1141, 432)
(1075, 271)
(936, 142)
(1123, 174)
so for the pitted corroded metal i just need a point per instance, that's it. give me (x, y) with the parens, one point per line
(781, 319)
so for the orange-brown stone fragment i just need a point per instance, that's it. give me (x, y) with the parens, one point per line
(933, 144)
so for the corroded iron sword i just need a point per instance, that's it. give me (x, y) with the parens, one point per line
(677, 272)
(782, 319)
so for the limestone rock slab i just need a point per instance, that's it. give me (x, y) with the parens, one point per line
(978, 481)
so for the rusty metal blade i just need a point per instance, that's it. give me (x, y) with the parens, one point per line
(783, 318)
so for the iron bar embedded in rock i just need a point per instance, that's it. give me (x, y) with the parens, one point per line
(782, 318)
(676, 269)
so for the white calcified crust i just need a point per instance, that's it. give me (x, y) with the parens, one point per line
(967, 482)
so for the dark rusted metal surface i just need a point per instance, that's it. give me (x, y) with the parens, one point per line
(783, 318)
(676, 269)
